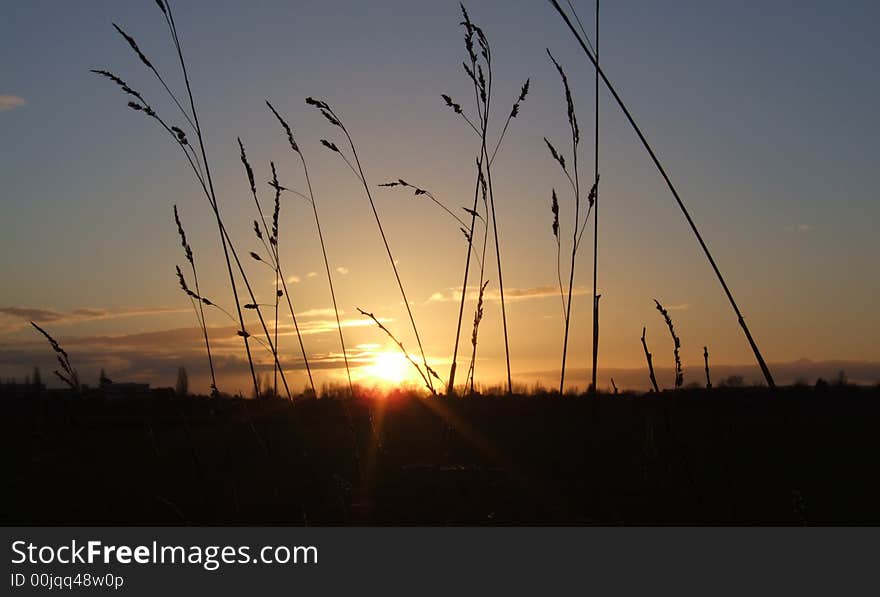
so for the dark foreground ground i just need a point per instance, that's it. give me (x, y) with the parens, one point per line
(729, 456)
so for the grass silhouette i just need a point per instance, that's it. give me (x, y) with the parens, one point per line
(480, 120)
(582, 41)
(334, 119)
(195, 298)
(311, 200)
(478, 68)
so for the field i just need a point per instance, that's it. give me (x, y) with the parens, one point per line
(726, 456)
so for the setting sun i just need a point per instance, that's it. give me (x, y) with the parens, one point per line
(388, 368)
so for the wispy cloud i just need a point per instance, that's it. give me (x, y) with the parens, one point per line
(11, 102)
(317, 313)
(12, 318)
(801, 228)
(155, 356)
(293, 279)
(681, 307)
(311, 274)
(323, 326)
(342, 270)
(512, 294)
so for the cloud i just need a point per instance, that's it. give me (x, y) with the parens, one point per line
(512, 294)
(801, 228)
(11, 102)
(311, 274)
(20, 316)
(342, 270)
(293, 279)
(30, 313)
(323, 326)
(317, 313)
(154, 357)
(681, 307)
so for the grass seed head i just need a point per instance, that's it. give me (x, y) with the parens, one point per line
(679, 376)
(183, 242)
(572, 117)
(554, 208)
(122, 84)
(514, 112)
(181, 136)
(247, 167)
(277, 210)
(451, 104)
(560, 159)
(285, 126)
(134, 46)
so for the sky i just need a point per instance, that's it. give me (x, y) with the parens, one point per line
(763, 113)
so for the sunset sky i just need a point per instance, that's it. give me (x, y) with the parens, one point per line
(763, 113)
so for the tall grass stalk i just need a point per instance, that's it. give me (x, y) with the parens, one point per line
(676, 342)
(202, 170)
(596, 296)
(334, 119)
(740, 319)
(196, 301)
(450, 388)
(209, 303)
(273, 252)
(650, 359)
(578, 227)
(486, 96)
(479, 71)
(418, 191)
(706, 361)
(483, 283)
(199, 164)
(478, 318)
(554, 209)
(425, 376)
(311, 199)
(68, 374)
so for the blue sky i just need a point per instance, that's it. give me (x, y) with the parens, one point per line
(764, 113)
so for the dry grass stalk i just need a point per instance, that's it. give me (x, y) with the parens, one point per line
(740, 318)
(596, 294)
(198, 162)
(334, 119)
(478, 68)
(706, 361)
(578, 226)
(679, 376)
(554, 209)
(311, 199)
(70, 376)
(480, 191)
(418, 368)
(418, 191)
(271, 248)
(198, 304)
(650, 359)
(478, 317)
(274, 242)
